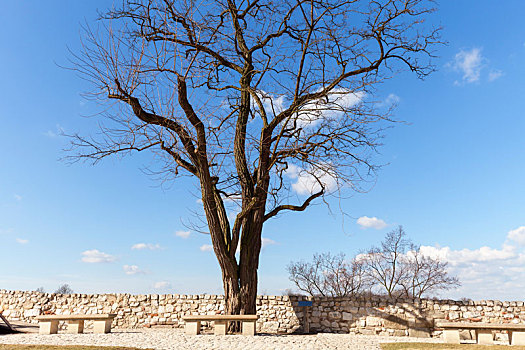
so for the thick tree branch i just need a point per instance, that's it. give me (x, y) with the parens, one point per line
(302, 207)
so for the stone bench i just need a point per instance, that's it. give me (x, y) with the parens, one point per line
(101, 323)
(193, 323)
(483, 331)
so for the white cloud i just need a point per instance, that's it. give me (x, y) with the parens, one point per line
(272, 105)
(517, 235)
(485, 272)
(206, 248)
(22, 241)
(468, 256)
(469, 63)
(182, 234)
(95, 256)
(163, 285)
(338, 102)
(144, 246)
(132, 270)
(392, 99)
(58, 131)
(267, 241)
(373, 222)
(495, 74)
(309, 182)
(335, 105)
(17, 197)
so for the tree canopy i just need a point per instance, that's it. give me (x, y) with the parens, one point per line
(267, 103)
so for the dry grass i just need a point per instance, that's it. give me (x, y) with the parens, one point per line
(62, 347)
(427, 346)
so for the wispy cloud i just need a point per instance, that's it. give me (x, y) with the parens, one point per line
(17, 197)
(469, 63)
(371, 222)
(390, 100)
(133, 270)
(495, 74)
(95, 256)
(22, 241)
(182, 234)
(162, 285)
(267, 242)
(146, 246)
(59, 130)
(206, 248)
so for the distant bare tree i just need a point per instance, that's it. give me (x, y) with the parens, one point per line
(64, 289)
(398, 267)
(384, 263)
(248, 96)
(425, 274)
(328, 275)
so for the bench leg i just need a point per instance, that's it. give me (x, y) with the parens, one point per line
(48, 327)
(484, 337)
(193, 327)
(102, 326)
(220, 327)
(248, 328)
(451, 336)
(75, 326)
(516, 338)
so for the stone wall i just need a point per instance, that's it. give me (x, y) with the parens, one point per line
(277, 314)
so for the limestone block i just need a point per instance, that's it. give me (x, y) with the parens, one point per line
(193, 328)
(220, 327)
(102, 326)
(516, 338)
(451, 336)
(75, 327)
(484, 337)
(373, 321)
(347, 316)
(325, 323)
(48, 327)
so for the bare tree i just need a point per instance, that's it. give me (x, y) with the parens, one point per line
(64, 289)
(398, 267)
(249, 98)
(384, 264)
(425, 274)
(329, 275)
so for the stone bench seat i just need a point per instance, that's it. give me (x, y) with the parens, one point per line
(101, 323)
(483, 331)
(193, 323)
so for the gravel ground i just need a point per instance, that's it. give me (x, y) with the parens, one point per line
(171, 339)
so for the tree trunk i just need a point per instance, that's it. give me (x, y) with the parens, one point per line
(248, 295)
(231, 294)
(249, 263)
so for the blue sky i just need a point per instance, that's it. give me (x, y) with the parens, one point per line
(454, 179)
